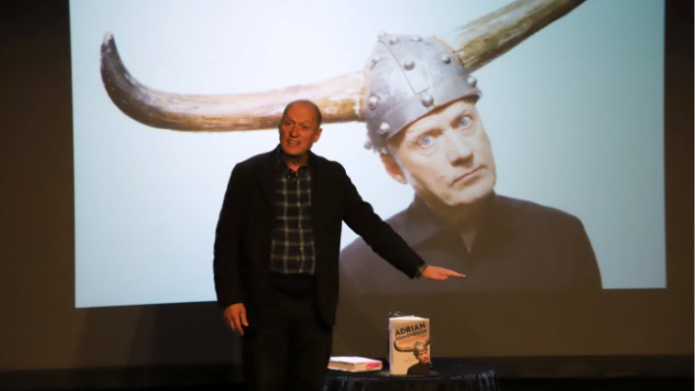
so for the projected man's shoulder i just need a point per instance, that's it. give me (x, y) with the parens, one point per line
(526, 214)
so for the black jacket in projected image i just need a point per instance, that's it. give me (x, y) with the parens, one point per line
(522, 246)
(247, 219)
(419, 369)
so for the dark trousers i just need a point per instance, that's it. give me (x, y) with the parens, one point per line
(286, 346)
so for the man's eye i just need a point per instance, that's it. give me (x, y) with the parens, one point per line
(425, 141)
(465, 121)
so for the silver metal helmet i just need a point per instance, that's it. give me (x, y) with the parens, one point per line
(407, 77)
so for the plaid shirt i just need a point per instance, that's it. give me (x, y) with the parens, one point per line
(292, 247)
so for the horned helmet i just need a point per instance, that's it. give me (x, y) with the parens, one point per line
(405, 78)
(409, 76)
(419, 347)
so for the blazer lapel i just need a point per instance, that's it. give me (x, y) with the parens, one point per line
(318, 193)
(267, 177)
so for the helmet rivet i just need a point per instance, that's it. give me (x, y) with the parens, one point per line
(367, 144)
(472, 81)
(446, 59)
(427, 100)
(383, 129)
(373, 101)
(409, 65)
(393, 40)
(417, 38)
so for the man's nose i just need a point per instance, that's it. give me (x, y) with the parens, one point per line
(294, 131)
(458, 146)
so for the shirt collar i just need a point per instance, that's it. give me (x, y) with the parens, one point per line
(282, 166)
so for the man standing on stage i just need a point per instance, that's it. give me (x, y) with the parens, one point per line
(276, 254)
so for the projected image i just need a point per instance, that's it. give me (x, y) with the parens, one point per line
(423, 122)
(512, 155)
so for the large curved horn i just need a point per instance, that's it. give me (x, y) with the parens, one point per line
(475, 44)
(486, 38)
(339, 99)
(400, 349)
(426, 342)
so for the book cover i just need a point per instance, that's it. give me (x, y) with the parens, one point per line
(409, 345)
(354, 364)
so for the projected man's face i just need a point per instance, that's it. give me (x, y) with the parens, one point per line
(446, 157)
(423, 356)
(299, 129)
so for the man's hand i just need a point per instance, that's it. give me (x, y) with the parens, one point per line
(439, 273)
(235, 315)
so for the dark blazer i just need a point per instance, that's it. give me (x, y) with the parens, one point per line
(244, 230)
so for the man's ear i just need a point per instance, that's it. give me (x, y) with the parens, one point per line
(317, 135)
(393, 168)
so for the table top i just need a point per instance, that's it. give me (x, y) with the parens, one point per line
(454, 374)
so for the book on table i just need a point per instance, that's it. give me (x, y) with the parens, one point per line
(354, 364)
(409, 345)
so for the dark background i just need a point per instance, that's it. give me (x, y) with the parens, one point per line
(46, 343)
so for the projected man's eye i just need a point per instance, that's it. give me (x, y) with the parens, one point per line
(465, 122)
(426, 141)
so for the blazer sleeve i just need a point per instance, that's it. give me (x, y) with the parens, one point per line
(361, 218)
(229, 241)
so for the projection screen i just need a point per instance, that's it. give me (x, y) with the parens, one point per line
(574, 115)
